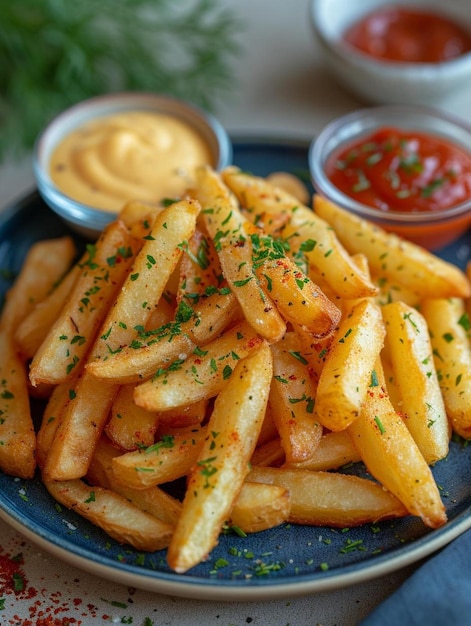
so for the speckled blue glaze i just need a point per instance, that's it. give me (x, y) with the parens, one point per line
(291, 556)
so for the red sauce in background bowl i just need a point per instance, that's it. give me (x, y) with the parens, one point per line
(402, 34)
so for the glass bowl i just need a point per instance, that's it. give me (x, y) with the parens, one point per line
(430, 229)
(89, 220)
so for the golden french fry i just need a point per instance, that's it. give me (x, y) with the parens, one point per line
(33, 330)
(171, 457)
(103, 268)
(331, 499)
(291, 184)
(45, 264)
(391, 455)
(335, 449)
(230, 232)
(449, 326)
(316, 239)
(217, 478)
(51, 418)
(292, 397)
(415, 375)
(346, 376)
(130, 426)
(297, 298)
(157, 348)
(153, 500)
(202, 375)
(84, 418)
(269, 453)
(17, 436)
(401, 261)
(114, 514)
(259, 507)
(200, 271)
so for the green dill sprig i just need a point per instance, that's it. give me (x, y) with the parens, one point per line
(55, 53)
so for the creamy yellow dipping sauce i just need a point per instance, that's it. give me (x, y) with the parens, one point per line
(134, 155)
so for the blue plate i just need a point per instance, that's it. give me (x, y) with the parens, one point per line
(285, 561)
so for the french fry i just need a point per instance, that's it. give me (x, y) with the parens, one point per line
(217, 478)
(297, 298)
(401, 261)
(33, 330)
(17, 436)
(448, 325)
(292, 397)
(153, 500)
(331, 499)
(103, 268)
(171, 457)
(114, 514)
(202, 375)
(346, 376)
(316, 239)
(230, 231)
(130, 426)
(259, 507)
(84, 418)
(391, 456)
(157, 348)
(415, 375)
(45, 264)
(335, 449)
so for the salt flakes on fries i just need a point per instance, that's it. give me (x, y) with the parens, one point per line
(242, 342)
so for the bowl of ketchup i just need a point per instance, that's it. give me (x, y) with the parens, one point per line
(406, 168)
(396, 52)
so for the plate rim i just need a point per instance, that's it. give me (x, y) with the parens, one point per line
(228, 590)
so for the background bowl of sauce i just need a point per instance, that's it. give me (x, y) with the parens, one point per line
(108, 150)
(405, 167)
(390, 51)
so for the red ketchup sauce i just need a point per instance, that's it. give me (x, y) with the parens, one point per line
(403, 34)
(409, 172)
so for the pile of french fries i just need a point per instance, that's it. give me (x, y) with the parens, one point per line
(243, 342)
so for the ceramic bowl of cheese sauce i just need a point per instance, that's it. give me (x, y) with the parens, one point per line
(406, 168)
(106, 151)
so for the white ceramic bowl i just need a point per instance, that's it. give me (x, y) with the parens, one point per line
(387, 82)
(87, 220)
(432, 230)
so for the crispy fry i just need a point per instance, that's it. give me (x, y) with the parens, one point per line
(45, 264)
(335, 449)
(33, 330)
(292, 397)
(216, 480)
(157, 348)
(230, 231)
(103, 269)
(449, 326)
(415, 375)
(259, 507)
(403, 262)
(169, 458)
(130, 426)
(17, 436)
(316, 239)
(346, 376)
(331, 499)
(393, 458)
(202, 375)
(114, 514)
